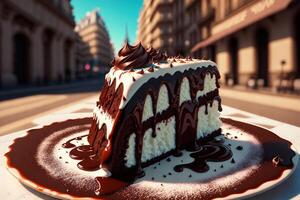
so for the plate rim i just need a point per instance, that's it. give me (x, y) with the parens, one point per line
(248, 193)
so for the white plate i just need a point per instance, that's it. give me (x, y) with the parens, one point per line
(179, 180)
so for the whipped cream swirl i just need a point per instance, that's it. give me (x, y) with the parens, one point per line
(133, 57)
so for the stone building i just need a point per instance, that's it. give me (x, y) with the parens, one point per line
(96, 48)
(82, 56)
(178, 26)
(255, 42)
(36, 41)
(200, 16)
(160, 25)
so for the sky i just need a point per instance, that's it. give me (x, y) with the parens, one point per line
(116, 15)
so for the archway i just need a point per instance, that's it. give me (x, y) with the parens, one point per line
(297, 43)
(262, 55)
(21, 58)
(212, 52)
(47, 55)
(233, 53)
(67, 56)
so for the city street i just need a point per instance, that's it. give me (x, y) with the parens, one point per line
(283, 108)
(280, 114)
(17, 113)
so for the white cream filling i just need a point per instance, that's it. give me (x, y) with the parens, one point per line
(185, 93)
(162, 143)
(210, 122)
(130, 152)
(147, 110)
(166, 135)
(131, 86)
(163, 99)
(153, 146)
(209, 85)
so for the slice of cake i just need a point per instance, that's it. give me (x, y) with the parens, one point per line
(152, 106)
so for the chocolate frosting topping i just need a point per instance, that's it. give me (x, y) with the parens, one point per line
(157, 55)
(132, 57)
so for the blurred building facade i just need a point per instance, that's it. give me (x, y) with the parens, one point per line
(94, 44)
(36, 41)
(160, 25)
(173, 25)
(255, 43)
(200, 17)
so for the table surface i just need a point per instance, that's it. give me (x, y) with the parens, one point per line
(11, 188)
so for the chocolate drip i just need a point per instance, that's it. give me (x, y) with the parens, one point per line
(69, 144)
(139, 138)
(185, 114)
(141, 71)
(187, 125)
(109, 101)
(111, 97)
(87, 155)
(151, 69)
(210, 151)
(107, 185)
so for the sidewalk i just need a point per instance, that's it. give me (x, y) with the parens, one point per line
(281, 107)
(283, 101)
(73, 86)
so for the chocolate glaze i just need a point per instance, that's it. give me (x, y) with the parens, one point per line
(29, 168)
(107, 185)
(130, 120)
(141, 71)
(26, 147)
(111, 97)
(209, 151)
(69, 144)
(86, 154)
(109, 100)
(151, 69)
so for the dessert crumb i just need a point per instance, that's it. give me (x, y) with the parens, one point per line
(239, 148)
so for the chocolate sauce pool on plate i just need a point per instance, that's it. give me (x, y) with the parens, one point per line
(69, 144)
(22, 157)
(86, 154)
(208, 152)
